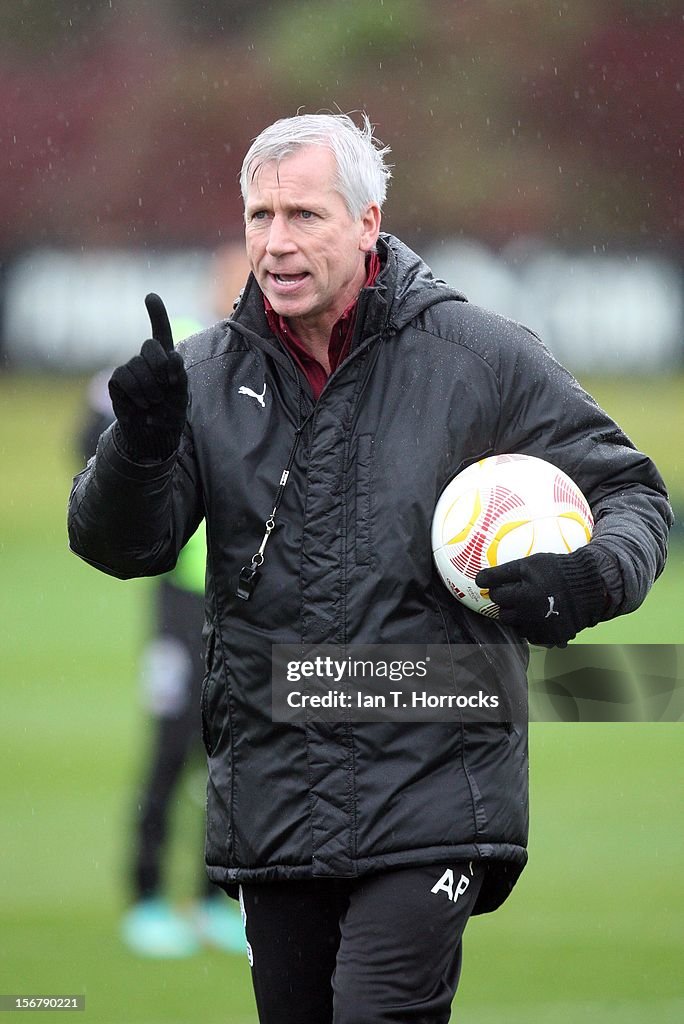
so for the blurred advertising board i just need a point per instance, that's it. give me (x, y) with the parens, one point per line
(598, 313)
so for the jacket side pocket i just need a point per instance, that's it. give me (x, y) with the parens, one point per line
(204, 698)
(364, 500)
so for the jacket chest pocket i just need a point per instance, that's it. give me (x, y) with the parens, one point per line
(364, 500)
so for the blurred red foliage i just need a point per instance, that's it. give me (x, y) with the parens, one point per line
(502, 124)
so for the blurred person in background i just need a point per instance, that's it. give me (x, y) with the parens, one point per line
(172, 670)
(313, 432)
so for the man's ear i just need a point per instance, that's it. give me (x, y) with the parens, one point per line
(370, 224)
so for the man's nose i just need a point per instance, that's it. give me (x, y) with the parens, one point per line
(280, 238)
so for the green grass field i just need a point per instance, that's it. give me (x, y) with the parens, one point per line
(594, 931)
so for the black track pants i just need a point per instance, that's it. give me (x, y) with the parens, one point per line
(381, 949)
(175, 670)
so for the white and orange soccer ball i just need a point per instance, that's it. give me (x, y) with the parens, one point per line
(501, 508)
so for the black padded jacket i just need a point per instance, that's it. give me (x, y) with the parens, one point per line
(432, 383)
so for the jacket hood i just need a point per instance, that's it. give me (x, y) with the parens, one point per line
(410, 281)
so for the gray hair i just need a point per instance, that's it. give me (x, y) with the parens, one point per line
(362, 174)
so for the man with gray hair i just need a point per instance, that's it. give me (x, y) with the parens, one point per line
(314, 432)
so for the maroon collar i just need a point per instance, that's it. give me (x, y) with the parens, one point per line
(340, 336)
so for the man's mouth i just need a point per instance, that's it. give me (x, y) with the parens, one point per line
(288, 279)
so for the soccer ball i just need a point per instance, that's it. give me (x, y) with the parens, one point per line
(501, 508)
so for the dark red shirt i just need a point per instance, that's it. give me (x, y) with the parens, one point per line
(340, 336)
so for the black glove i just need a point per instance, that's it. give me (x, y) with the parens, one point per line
(150, 393)
(547, 598)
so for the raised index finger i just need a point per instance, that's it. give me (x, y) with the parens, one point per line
(159, 319)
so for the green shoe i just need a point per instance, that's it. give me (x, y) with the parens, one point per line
(219, 924)
(153, 928)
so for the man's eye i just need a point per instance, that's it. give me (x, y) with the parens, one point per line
(306, 214)
(259, 215)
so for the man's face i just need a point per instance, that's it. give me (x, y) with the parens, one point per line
(305, 249)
